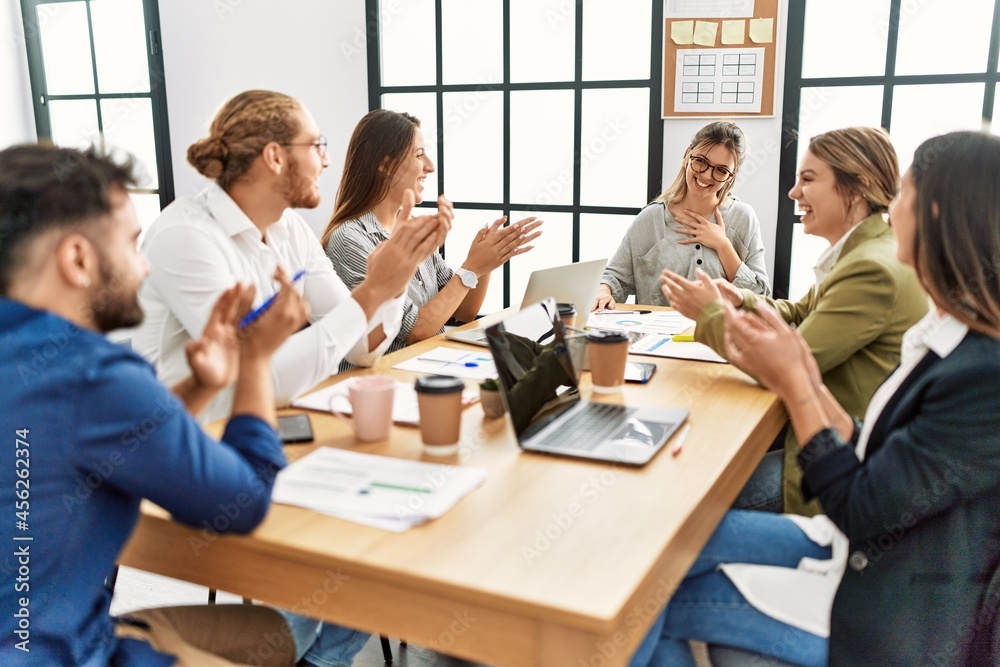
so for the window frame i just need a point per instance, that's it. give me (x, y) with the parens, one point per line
(888, 80)
(654, 174)
(157, 95)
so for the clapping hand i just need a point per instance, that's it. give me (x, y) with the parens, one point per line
(688, 297)
(494, 245)
(286, 315)
(763, 345)
(215, 357)
(392, 264)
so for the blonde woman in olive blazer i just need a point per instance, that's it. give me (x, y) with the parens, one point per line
(864, 300)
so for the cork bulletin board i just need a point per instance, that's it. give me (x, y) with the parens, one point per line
(719, 57)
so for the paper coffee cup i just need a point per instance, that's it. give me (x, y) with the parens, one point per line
(439, 398)
(567, 313)
(608, 352)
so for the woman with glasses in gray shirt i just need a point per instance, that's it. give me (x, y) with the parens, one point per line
(695, 224)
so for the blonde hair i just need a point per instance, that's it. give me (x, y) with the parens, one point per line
(724, 133)
(864, 163)
(241, 128)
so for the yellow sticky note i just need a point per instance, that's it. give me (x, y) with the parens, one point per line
(704, 33)
(733, 31)
(682, 32)
(761, 31)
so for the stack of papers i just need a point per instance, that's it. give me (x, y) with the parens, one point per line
(392, 494)
(404, 401)
(662, 322)
(475, 365)
(659, 345)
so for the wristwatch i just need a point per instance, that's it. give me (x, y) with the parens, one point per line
(469, 279)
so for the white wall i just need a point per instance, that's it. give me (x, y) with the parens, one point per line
(17, 119)
(313, 50)
(757, 183)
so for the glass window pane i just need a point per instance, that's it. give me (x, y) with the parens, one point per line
(465, 226)
(69, 69)
(553, 248)
(921, 112)
(939, 37)
(827, 25)
(120, 44)
(831, 108)
(407, 40)
(614, 147)
(472, 42)
(74, 123)
(424, 107)
(551, 32)
(473, 146)
(806, 250)
(601, 234)
(128, 127)
(147, 208)
(541, 147)
(608, 25)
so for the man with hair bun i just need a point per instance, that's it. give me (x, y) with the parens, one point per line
(265, 155)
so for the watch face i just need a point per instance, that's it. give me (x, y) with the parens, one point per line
(469, 279)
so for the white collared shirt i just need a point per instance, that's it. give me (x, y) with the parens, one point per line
(202, 245)
(803, 597)
(826, 261)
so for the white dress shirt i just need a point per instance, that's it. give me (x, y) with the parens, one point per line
(803, 597)
(202, 245)
(826, 261)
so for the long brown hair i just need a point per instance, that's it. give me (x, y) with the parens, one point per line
(864, 163)
(720, 133)
(381, 139)
(957, 240)
(241, 128)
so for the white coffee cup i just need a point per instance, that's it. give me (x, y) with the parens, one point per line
(371, 398)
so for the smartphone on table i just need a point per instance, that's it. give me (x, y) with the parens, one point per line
(295, 428)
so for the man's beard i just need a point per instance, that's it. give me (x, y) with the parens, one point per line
(113, 304)
(297, 190)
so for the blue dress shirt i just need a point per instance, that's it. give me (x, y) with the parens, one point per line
(88, 432)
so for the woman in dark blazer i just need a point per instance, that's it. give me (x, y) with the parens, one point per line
(913, 494)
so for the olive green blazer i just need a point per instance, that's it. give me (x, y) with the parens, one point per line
(853, 322)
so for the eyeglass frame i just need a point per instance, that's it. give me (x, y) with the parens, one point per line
(715, 167)
(320, 145)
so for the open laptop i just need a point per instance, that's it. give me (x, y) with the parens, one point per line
(538, 384)
(572, 283)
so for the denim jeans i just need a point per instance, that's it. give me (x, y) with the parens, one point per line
(324, 644)
(707, 607)
(762, 491)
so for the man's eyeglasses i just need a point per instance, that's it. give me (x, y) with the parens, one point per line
(319, 145)
(700, 165)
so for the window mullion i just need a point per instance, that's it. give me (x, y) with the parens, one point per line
(892, 41)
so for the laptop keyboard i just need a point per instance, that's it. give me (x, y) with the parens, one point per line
(590, 426)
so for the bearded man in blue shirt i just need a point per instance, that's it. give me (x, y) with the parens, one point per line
(90, 432)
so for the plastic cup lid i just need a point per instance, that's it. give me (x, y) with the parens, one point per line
(438, 384)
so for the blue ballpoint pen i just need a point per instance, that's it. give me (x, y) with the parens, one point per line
(252, 316)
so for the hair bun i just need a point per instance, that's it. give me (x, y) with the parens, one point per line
(209, 156)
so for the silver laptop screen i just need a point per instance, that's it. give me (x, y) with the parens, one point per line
(533, 362)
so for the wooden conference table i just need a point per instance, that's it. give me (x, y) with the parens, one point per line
(553, 561)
